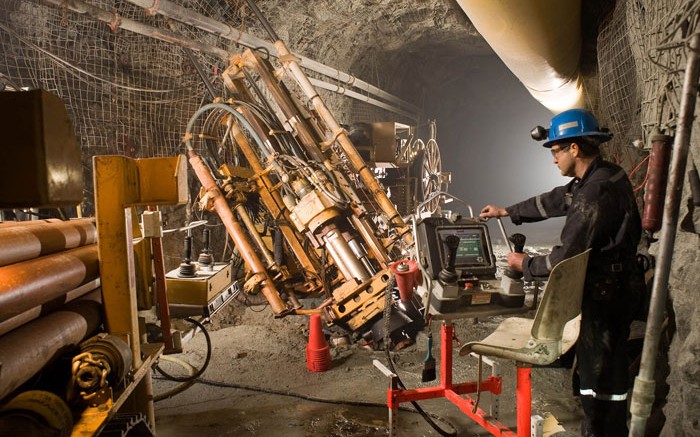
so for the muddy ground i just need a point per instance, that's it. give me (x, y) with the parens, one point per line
(268, 354)
(257, 384)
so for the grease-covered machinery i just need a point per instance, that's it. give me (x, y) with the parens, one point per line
(301, 200)
(267, 161)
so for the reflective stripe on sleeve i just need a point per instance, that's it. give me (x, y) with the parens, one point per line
(602, 396)
(540, 207)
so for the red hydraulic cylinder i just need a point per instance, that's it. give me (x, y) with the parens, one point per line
(657, 176)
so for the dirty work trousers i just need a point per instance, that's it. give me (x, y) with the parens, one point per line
(602, 364)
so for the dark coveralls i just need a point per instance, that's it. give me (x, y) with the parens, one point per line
(601, 213)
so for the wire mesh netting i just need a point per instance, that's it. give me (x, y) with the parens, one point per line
(642, 50)
(642, 56)
(126, 93)
(132, 94)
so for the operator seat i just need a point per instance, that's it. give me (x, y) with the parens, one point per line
(555, 328)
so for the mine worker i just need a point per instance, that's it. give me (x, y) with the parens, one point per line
(601, 213)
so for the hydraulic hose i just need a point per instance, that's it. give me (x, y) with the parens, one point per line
(199, 372)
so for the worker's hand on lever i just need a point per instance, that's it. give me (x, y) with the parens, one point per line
(493, 211)
(515, 261)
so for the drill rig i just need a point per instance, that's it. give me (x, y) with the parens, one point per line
(265, 158)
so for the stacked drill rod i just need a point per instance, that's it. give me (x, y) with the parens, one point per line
(49, 294)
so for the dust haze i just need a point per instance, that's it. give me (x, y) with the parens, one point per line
(484, 117)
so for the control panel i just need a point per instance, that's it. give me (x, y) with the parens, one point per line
(474, 253)
(456, 255)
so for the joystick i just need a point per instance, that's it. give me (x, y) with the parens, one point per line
(518, 241)
(187, 269)
(205, 259)
(448, 274)
(512, 282)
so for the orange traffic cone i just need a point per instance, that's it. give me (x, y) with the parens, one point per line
(318, 354)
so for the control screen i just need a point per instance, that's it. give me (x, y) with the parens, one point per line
(472, 249)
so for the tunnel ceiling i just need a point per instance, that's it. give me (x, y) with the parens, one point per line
(402, 46)
(407, 47)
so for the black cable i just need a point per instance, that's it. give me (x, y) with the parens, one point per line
(311, 398)
(206, 360)
(196, 378)
(387, 344)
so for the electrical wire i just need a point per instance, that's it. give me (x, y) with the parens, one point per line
(634, 170)
(206, 360)
(646, 177)
(195, 377)
(310, 398)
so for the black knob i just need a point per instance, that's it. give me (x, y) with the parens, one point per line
(451, 244)
(187, 269)
(447, 274)
(205, 258)
(205, 239)
(188, 249)
(518, 241)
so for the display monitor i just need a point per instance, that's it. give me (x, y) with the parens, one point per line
(473, 249)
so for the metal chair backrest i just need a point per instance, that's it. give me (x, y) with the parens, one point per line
(562, 298)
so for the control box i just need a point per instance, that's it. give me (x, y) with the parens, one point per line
(457, 256)
(474, 257)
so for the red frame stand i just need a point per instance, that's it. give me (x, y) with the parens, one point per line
(454, 392)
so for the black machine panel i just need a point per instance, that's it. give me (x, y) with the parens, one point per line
(474, 255)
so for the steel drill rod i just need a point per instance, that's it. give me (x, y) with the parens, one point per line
(643, 392)
(47, 308)
(12, 223)
(253, 232)
(35, 282)
(26, 350)
(235, 230)
(22, 242)
(265, 24)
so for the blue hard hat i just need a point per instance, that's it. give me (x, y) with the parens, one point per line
(575, 123)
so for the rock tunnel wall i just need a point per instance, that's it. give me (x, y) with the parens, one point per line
(642, 50)
(133, 94)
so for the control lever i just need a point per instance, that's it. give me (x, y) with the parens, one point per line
(187, 269)
(518, 241)
(448, 274)
(205, 257)
(512, 293)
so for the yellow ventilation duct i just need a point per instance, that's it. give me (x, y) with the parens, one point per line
(539, 41)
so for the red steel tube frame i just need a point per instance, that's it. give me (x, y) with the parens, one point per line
(453, 392)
